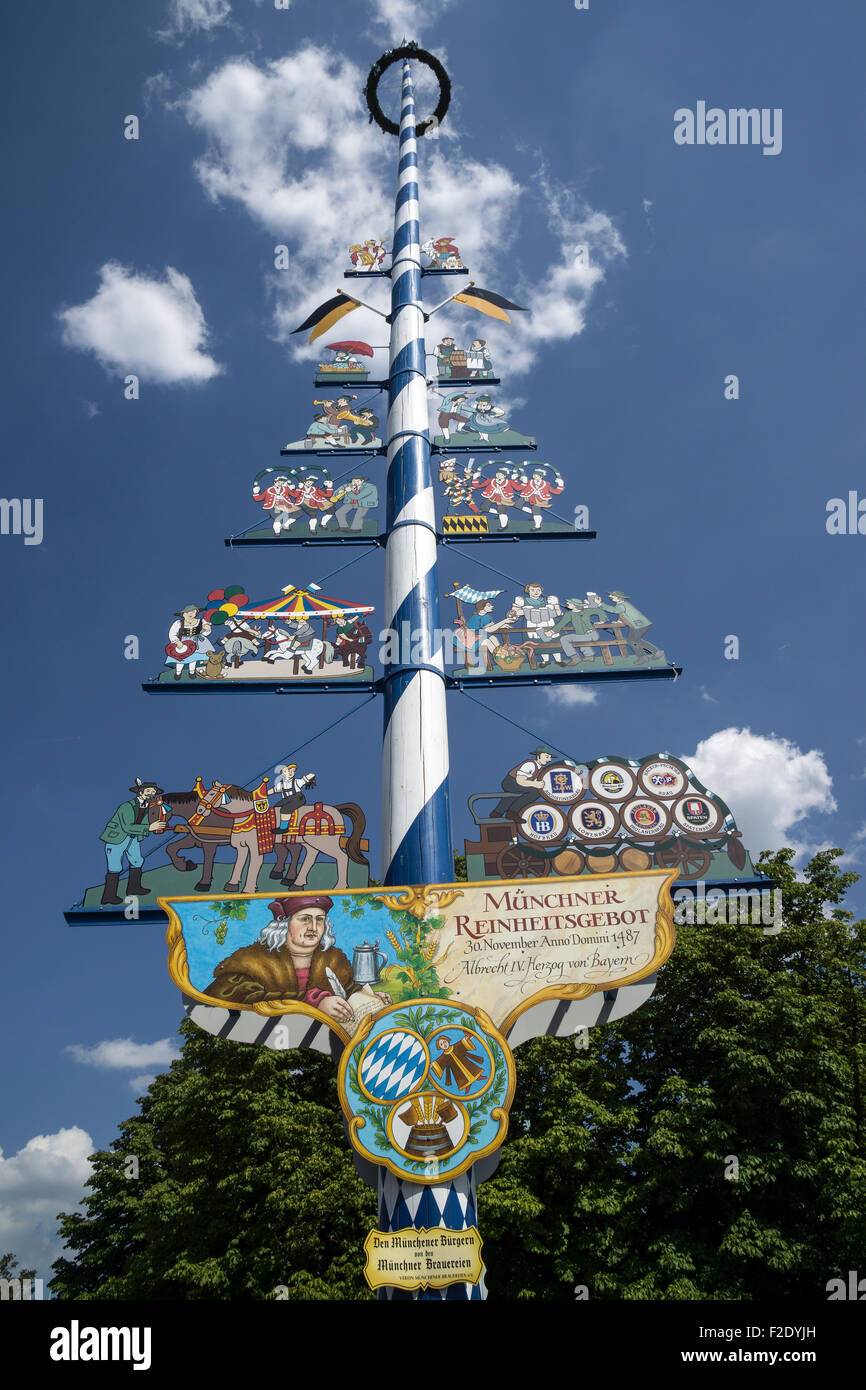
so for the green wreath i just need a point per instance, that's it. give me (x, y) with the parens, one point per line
(387, 60)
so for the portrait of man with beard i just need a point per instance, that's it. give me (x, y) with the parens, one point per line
(295, 957)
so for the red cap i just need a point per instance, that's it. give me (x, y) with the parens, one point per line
(283, 908)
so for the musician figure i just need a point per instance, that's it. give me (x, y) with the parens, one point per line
(360, 494)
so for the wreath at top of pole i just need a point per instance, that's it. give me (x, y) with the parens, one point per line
(381, 66)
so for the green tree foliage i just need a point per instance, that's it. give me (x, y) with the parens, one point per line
(245, 1186)
(9, 1268)
(711, 1145)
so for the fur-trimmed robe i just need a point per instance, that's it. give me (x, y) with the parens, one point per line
(254, 974)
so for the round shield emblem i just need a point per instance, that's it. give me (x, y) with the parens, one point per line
(543, 824)
(698, 815)
(646, 818)
(427, 1126)
(564, 784)
(394, 1064)
(662, 778)
(612, 781)
(592, 820)
(461, 1063)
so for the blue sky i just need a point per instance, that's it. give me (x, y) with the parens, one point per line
(703, 261)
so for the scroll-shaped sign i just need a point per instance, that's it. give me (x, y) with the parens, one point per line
(494, 498)
(422, 985)
(220, 837)
(340, 424)
(347, 364)
(429, 1257)
(523, 633)
(298, 636)
(501, 948)
(556, 816)
(469, 419)
(305, 501)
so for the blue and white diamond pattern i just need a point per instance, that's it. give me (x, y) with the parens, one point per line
(393, 1065)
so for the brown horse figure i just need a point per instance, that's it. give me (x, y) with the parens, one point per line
(227, 815)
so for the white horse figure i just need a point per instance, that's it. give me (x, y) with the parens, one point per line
(288, 647)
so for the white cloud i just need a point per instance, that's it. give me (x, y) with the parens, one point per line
(136, 323)
(186, 17)
(407, 18)
(123, 1052)
(45, 1177)
(290, 141)
(770, 785)
(139, 1084)
(705, 695)
(91, 409)
(571, 694)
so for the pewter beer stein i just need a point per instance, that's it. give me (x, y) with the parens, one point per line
(367, 961)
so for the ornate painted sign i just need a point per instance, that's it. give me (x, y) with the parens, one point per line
(500, 948)
(368, 257)
(426, 1089)
(470, 363)
(495, 498)
(442, 254)
(534, 631)
(347, 364)
(469, 419)
(223, 837)
(305, 501)
(423, 1258)
(555, 816)
(339, 425)
(300, 635)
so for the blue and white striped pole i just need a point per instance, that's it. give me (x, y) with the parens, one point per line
(416, 821)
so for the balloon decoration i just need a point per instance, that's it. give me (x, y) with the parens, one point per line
(226, 603)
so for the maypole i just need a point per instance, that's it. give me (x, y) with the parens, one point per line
(385, 977)
(416, 821)
(416, 824)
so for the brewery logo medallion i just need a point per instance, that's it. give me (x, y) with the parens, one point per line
(543, 824)
(646, 818)
(592, 820)
(697, 813)
(612, 781)
(662, 778)
(564, 785)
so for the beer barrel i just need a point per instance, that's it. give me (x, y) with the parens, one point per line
(601, 863)
(633, 858)
(569, 861)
